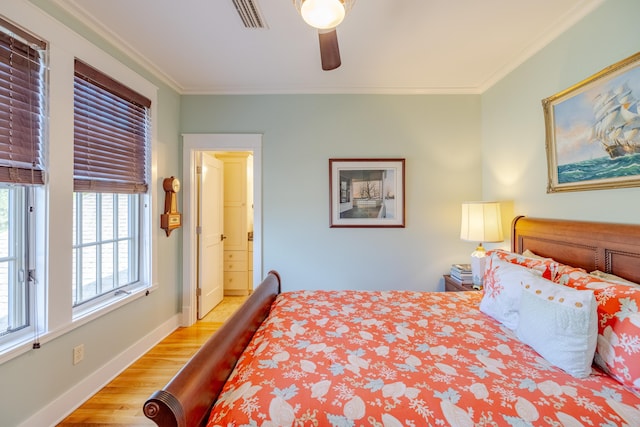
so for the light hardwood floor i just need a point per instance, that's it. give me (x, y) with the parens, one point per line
(120, 402)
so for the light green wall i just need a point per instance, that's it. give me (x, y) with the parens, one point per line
(513, 128)
(437, 135)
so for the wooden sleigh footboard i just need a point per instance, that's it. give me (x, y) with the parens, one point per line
(187, 399)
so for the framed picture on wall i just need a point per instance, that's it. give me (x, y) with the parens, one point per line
(593, 131)
(366, 193)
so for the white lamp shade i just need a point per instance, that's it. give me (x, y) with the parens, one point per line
(322, 14)
(481, 222)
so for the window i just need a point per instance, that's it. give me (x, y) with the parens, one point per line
(111, 150)
(14, 294)
(105, 236)
(22, 122)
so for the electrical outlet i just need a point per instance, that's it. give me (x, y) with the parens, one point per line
(78, 354)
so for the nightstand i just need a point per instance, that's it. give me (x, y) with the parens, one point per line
(453, 285)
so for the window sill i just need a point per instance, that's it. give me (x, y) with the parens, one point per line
(82, 315)
(18, 345)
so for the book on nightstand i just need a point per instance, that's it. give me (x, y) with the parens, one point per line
(462, 273)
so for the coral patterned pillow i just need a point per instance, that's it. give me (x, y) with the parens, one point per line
(618, 349)
(546, 266)
(502, 288)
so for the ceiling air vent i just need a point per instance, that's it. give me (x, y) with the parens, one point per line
(250, 13)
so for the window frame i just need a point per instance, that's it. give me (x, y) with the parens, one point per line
(53, 202)
(138, 184)
(22, 172)
(111, 157)
(34, 267)
(133, 220)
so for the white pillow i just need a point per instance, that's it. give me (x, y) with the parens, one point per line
(530, 254)
(612, 278)
(502, 290)
(560, 323)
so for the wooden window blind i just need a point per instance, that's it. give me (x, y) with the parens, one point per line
(111, 129)
(22, 105)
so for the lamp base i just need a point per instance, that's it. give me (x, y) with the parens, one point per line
(478, 259)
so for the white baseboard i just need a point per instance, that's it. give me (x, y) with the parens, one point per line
(69, 401)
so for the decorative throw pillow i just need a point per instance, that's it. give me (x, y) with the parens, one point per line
(618, 348)
(530, 254)
(502, 290)
(548, 267)
(560, 323)
(612, 278)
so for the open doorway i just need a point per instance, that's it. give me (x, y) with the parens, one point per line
(225, 227)
(194, 145)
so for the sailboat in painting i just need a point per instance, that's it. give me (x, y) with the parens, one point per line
(617, 122)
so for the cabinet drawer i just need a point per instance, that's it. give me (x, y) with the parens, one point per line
(452, 285)
(235, 265)
(235, 255)
(235, 280)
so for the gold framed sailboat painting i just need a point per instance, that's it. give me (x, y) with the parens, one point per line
(593, 131)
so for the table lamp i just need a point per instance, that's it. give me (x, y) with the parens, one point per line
(480, 223)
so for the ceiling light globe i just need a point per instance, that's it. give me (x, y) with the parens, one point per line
(322, 14)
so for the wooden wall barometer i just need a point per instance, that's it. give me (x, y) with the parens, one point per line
(171, 218)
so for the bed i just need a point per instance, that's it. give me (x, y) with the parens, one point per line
(347, 358)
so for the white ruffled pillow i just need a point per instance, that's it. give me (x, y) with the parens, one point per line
(560, 323)
(503, 289)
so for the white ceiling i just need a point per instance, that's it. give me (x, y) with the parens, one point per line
(387, 46)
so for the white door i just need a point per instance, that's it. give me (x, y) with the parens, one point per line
(210, 245)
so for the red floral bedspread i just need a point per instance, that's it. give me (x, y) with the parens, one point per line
(396, 358)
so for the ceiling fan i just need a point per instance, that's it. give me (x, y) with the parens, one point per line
(325, 15)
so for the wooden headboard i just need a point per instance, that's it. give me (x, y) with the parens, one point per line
(612, 248)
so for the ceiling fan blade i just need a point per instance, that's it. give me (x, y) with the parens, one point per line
(329, 49)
